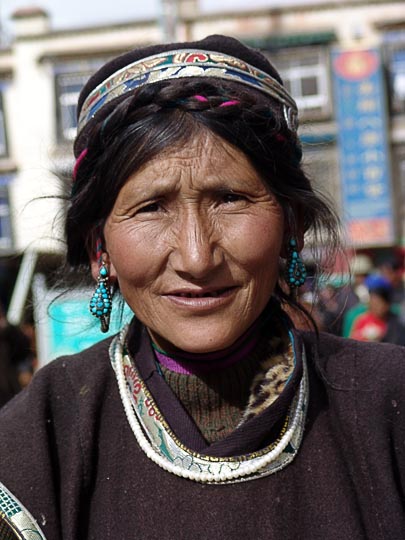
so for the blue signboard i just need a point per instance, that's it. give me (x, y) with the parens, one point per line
(363, 146)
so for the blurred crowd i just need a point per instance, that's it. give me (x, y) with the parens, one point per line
(371, 307)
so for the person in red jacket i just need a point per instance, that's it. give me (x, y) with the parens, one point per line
(379, 323)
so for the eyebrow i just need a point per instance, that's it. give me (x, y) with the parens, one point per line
(159, 185)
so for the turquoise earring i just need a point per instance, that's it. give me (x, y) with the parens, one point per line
(295, 272)
(101, 301)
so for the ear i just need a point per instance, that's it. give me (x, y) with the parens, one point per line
(95, 266)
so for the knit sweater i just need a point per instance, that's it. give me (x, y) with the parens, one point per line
(69, 455)
(218, 401)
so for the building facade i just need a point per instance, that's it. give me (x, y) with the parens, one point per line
(320, 49)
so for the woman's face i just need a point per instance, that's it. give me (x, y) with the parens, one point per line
(194, 240)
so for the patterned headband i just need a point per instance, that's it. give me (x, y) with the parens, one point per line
(186, 63)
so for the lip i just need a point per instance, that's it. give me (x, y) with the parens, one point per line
(220, 297)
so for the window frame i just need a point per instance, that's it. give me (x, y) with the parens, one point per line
(316, 106)
(3, 123)
(6, 240)
(396, 104)
(82, 70)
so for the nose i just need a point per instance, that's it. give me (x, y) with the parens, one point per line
(197, 253)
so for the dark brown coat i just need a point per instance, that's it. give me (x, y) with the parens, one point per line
(68, 453)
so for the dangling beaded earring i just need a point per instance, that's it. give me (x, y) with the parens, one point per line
(101, 301)
(295, 272)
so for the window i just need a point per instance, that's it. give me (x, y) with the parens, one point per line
(305, 75)
(70, 78)
(3, 137)
(5, 223)
(396, 67)
(68, 89)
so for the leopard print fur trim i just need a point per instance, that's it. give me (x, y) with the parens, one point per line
(272, 376)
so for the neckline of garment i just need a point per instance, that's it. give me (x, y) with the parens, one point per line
(161, 446)
(209, 365)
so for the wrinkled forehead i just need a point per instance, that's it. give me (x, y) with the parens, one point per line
(207, 161)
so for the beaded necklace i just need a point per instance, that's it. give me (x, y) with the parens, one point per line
(161, 445)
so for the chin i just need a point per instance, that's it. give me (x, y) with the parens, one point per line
(202, 348)
(199, 342)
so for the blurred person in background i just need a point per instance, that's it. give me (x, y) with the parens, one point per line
(357, 292)
(340, 300)
(379, 322)
(393, 271)
(361, 267)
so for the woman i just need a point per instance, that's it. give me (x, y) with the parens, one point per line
(188, 194)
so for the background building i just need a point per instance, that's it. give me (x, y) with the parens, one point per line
(344, 62)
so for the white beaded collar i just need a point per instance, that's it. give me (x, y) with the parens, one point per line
(161, 445)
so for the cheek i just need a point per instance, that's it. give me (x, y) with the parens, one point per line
(135, 254)
(257, 245)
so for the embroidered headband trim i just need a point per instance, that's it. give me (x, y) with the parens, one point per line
(186, 63)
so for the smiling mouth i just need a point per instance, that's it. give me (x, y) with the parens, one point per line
(204, 301)
(211, 294)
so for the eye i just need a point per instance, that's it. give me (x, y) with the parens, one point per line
(149, 208)
(231, 197)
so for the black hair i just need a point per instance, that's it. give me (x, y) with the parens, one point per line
(164, 115)
(382, 292)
